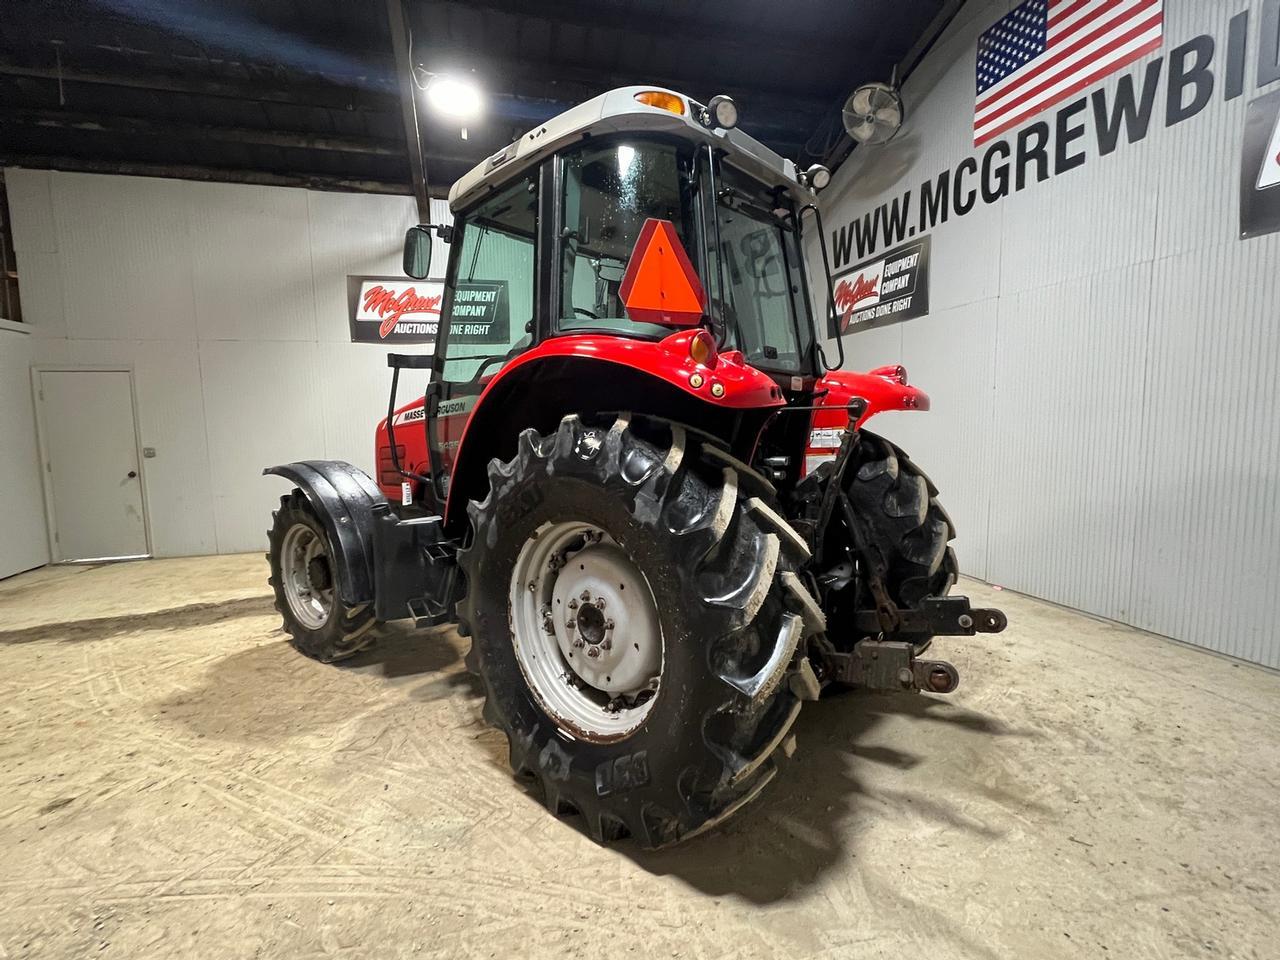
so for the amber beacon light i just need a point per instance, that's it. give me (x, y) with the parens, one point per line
(662, 100)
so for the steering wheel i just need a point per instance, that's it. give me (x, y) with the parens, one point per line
(585, 312)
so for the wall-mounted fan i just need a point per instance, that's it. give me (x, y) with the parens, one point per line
(874, 113)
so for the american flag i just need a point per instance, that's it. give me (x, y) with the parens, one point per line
(1048, 50)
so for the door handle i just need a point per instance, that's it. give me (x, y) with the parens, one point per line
(133, 474)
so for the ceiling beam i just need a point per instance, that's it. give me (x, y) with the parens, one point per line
(398, 22)
(311, 181)
(98, 123)
(311, 94)
(670, 27)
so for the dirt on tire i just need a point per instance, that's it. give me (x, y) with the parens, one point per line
(734, 619)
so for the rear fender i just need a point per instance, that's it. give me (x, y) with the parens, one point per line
(884, 389)
(587, 373)
(344, 498)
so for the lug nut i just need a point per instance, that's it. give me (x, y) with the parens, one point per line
(608, 624)
(573, 604)
(586, 595)
(571, 623)
(606, 644)
(599, 603)
(593, 652)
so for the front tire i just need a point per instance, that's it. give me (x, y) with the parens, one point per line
(303, 577)
(704, 669)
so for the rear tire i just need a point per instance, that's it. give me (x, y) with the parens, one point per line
(731, 618)
(904, 527)
(307, 594)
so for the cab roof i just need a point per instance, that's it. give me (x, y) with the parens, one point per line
(618, 111)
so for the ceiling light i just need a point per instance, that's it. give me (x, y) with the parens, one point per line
(454, 97)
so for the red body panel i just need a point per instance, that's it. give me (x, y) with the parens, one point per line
(884, 388)
(726, 380)
(411, 439)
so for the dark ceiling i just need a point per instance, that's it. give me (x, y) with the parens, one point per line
(305, 91)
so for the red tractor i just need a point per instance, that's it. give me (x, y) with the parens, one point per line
(634, 480)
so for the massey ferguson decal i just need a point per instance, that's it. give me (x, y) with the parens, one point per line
(1260, 169)
(396, 310)
(883, 291)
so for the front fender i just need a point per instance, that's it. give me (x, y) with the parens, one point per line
(343, 497)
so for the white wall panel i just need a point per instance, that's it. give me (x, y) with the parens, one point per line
(334, 219)
(1208, 514)
(1068, 381)
(251, 257)
(1053, 232)
(1127, 344)
(31, 209)
(42, 292)
(1197, 163)
(874, 348)
(263, 405)
(24, 542)
(125, 257)
(36, 249)
(229, 303)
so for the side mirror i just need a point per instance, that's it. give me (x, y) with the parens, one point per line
(417, 252)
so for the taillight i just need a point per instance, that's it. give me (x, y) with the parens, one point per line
(897, 372)
(702, 349)
(662, 100)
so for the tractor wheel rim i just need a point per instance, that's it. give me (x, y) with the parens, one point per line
(586, 632)
(309, 603)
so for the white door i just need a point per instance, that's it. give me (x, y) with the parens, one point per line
(90, 446)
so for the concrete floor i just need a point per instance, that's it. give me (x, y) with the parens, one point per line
(176, 781)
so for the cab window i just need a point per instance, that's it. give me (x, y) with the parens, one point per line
(758, 252)
(491, 311)
(610, 189)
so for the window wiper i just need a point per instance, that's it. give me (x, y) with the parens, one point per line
(742, 203)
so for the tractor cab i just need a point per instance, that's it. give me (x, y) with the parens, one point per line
(609, 231)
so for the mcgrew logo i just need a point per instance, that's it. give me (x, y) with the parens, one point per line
(849, 295)
(391, 307)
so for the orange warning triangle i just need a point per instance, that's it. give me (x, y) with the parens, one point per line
(660, 285)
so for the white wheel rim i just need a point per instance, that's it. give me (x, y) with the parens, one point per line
(585, 630)
(309, 602)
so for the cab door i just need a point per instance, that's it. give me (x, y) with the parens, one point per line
(489, 311)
